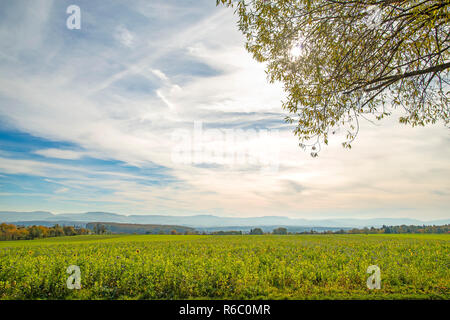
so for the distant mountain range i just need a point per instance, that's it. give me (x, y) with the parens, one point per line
(203, 221)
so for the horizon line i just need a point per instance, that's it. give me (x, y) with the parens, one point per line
(218, 216)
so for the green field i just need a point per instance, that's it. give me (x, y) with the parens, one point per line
(227, 267)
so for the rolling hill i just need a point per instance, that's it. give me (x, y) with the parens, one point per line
(204, 221)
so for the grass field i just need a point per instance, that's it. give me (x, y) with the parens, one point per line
(227, 267)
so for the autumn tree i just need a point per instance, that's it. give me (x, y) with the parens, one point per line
(256, 231)
(11, 232)
(56, 231)
(343, 61)
(69, 230)
(280, 231)
(37, 232)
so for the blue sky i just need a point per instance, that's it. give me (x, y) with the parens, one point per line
(90, 120)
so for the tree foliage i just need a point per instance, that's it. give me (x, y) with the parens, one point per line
(256, 231)
(390, 230)
(99, 228)
(13, 232)
(340, 61)
(280, 231)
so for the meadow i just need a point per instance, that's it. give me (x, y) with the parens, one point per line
(227, 267)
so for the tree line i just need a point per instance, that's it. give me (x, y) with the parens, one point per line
(384, 229)
(400, 229)
(13, 232)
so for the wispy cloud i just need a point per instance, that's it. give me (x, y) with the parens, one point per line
(62, 190)
(60, 154)
(124, 36)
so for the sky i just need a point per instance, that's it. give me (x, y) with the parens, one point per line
(155, 107)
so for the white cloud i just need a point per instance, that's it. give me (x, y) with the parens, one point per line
(60, 154)
(124, 36)
(62, 190)
(160, 74)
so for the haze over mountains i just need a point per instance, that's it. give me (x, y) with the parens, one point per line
(204, 221)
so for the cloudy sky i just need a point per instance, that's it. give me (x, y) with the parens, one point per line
(154, 107)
